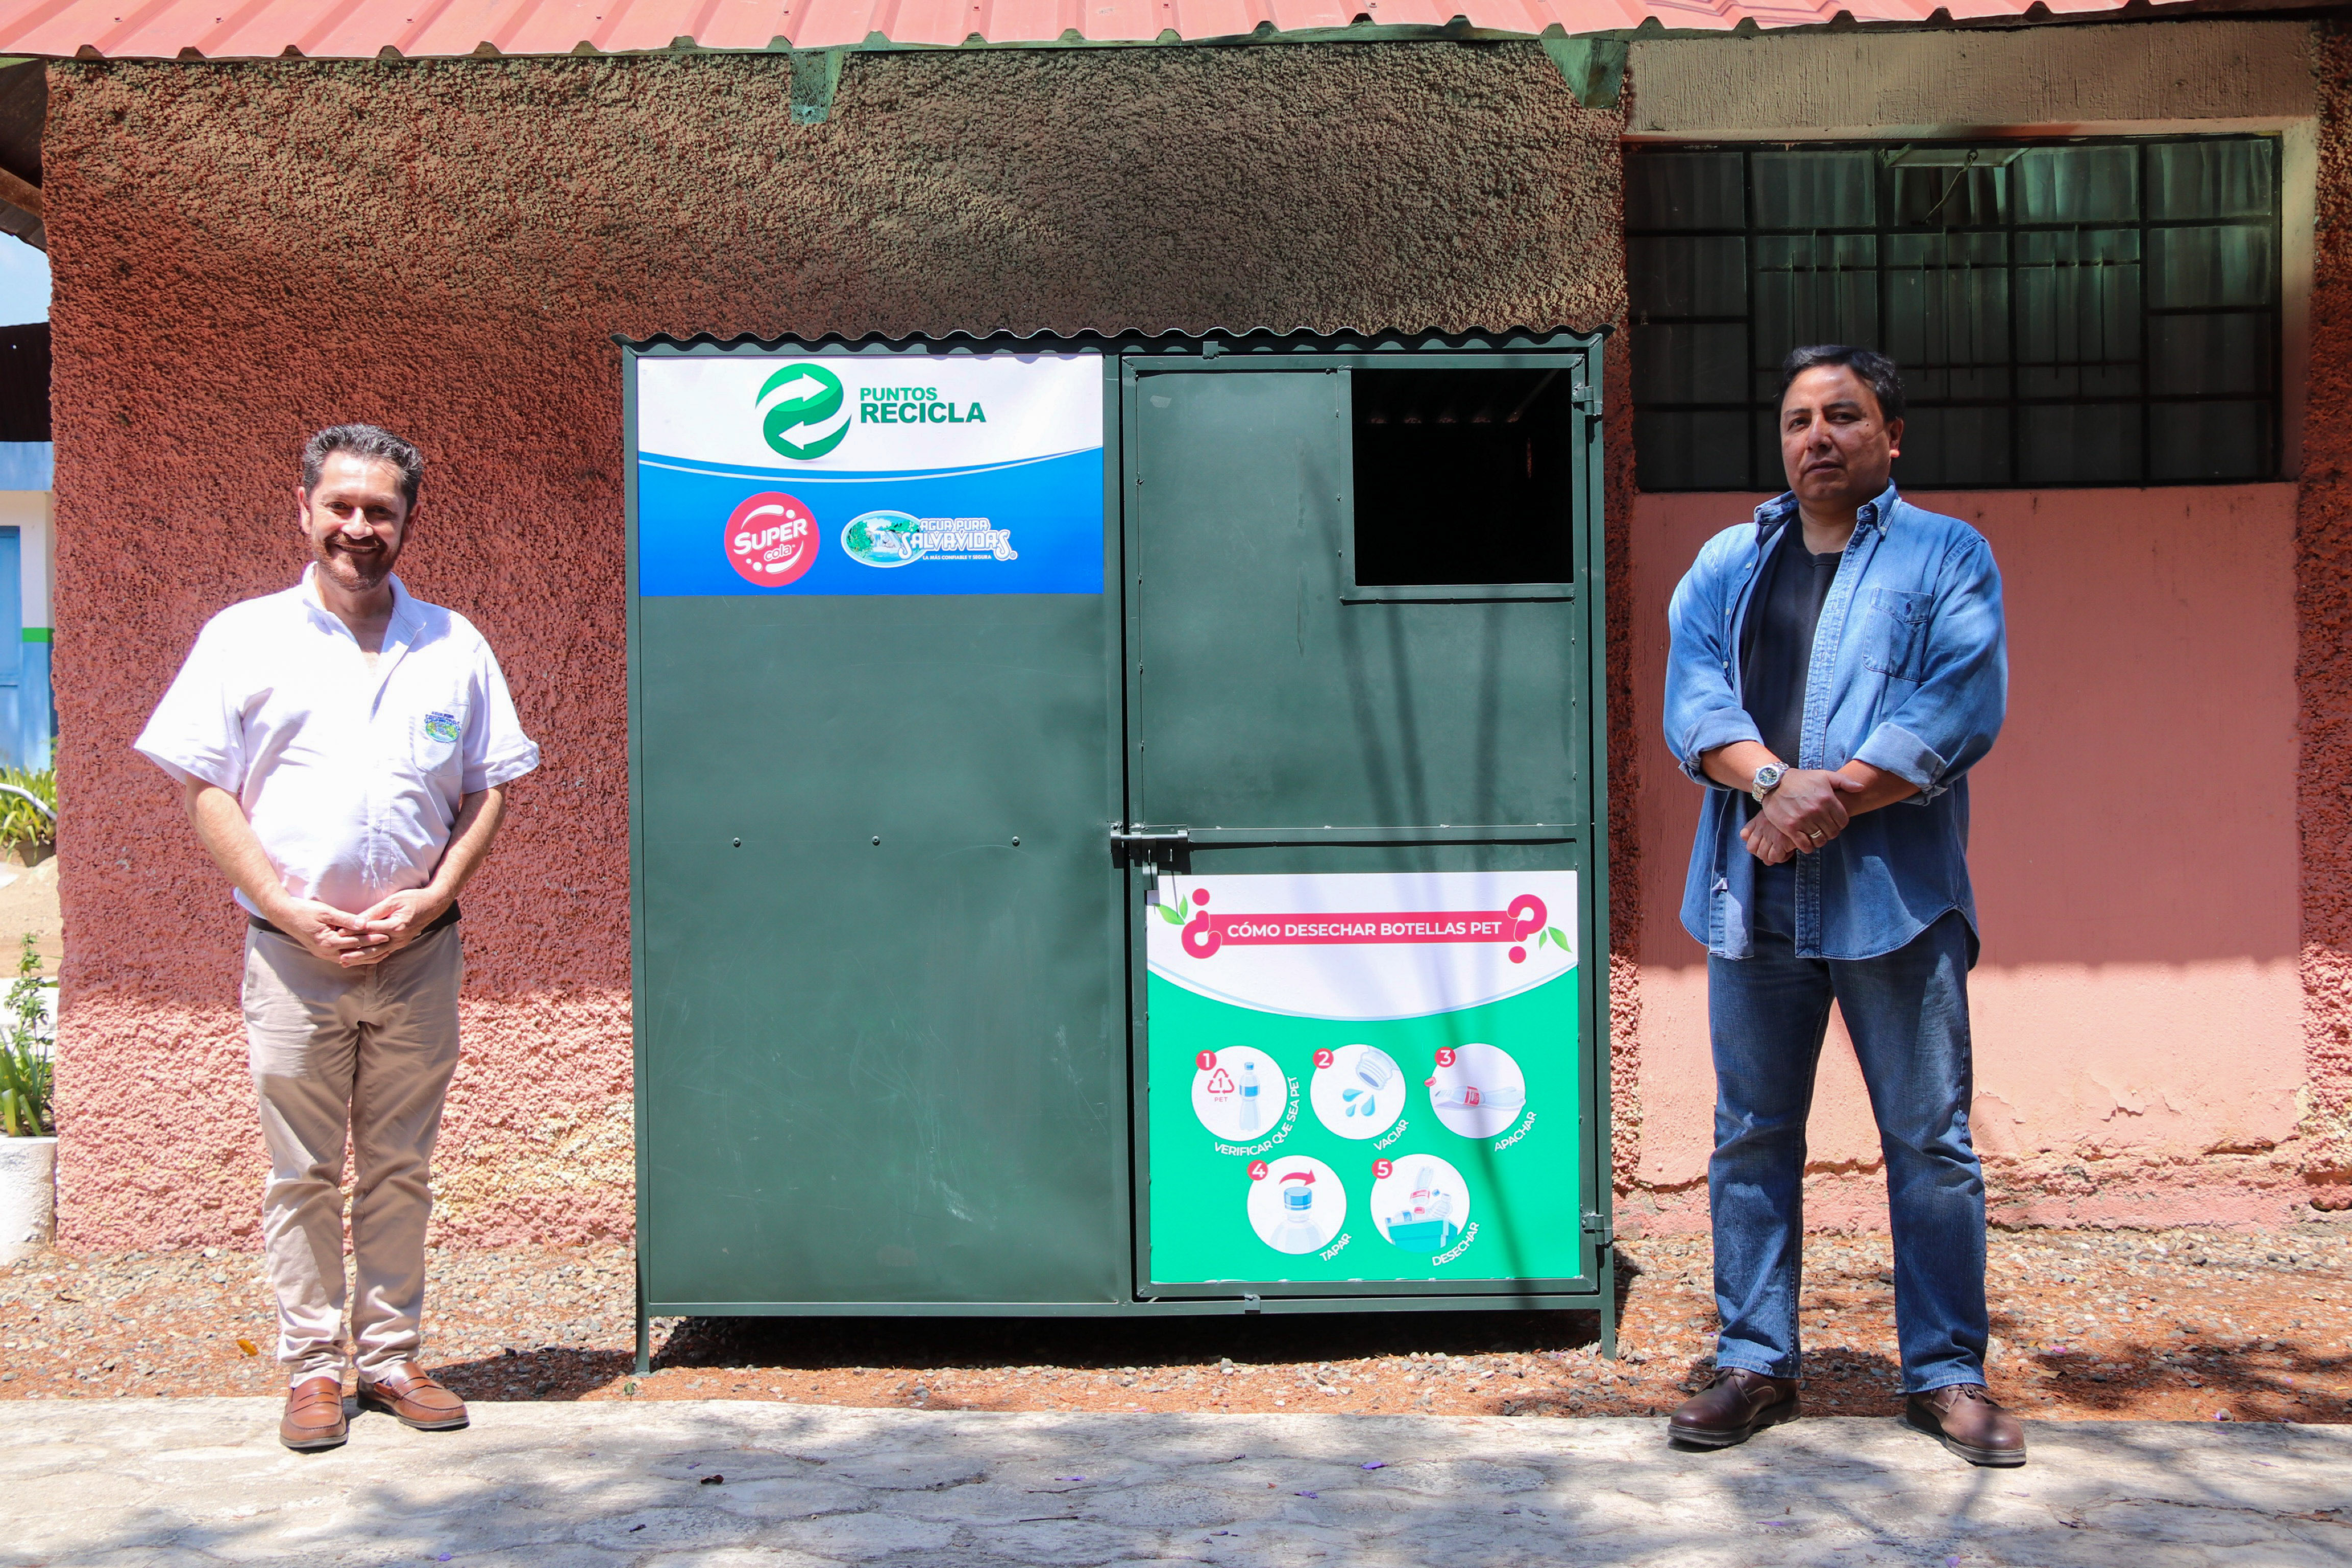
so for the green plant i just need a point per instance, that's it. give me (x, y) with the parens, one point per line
(25, 1066)
(21, 821)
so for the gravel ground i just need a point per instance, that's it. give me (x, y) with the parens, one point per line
(731, 1483)
(2180, 1325)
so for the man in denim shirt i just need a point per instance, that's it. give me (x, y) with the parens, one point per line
(1838, 667)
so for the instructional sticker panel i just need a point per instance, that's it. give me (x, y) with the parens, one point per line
(1363, 1078)
(869, 473)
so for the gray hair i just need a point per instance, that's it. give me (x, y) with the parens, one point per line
(368, 441)
(1875, 369)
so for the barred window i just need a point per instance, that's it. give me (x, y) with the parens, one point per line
(2086, 312)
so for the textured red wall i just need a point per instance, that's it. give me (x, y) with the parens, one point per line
(245, 253)
(2324, 669)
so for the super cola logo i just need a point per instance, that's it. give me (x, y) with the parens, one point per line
(772, 539)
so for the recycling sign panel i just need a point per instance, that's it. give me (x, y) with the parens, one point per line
(832, 474)
(1363, 1078)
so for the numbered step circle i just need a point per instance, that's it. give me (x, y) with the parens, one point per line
(1421, 1205)
(1238, 1093)
(1297, 1205)
(1478, 1091)
(1359, 1091)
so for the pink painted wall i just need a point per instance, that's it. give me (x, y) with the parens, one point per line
(2138, 1006)
(246, 252)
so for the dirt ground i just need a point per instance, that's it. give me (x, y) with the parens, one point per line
(2180, 1325)
(28, 903)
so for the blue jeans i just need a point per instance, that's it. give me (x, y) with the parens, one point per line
(1908, 1014)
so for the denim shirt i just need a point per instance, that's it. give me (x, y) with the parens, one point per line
(1910, 674)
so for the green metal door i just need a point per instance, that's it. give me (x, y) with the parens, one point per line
(1363, 732)
(881, 1055)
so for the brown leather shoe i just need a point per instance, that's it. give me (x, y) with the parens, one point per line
(1963, 1417)
(314, 1415)
(417, 1399)
(1736, 1406)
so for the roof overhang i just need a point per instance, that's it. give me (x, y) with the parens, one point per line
(411, 29)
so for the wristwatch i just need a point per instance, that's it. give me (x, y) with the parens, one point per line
(1768, 779)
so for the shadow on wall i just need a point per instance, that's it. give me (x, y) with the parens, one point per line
(2140, 806)
(2138, 1005)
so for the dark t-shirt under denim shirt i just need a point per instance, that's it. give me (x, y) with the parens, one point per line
(1775, 656)
(1775, 652)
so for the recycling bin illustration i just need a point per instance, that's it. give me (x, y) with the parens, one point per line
(1116, 825)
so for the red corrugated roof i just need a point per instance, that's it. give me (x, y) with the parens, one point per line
(356, 29)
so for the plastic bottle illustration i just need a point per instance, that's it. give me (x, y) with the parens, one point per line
(1249, 1096)
(1426, 1224)
(1470, 1096)
(1376, 1068)
(1424, 1190)
(1297, 1232)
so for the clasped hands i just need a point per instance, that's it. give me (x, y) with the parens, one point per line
(1804, 813)
(370, 936)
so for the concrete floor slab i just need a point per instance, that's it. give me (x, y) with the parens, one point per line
(117, 1483)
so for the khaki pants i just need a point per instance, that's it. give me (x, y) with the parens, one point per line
(372, 1051)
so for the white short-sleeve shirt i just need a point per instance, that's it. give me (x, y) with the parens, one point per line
(351, 776)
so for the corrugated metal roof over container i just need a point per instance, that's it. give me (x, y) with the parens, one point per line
(359, 29)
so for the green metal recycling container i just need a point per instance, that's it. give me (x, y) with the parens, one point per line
(1116, 825)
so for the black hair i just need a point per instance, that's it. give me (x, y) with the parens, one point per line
(1873, 367)
(368, 441)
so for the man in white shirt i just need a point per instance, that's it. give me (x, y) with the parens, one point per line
(344, 751)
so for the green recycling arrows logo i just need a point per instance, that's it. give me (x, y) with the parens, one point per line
(803, 422)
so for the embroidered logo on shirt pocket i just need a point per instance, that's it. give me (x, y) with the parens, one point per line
(436, 737)
(1895, 633)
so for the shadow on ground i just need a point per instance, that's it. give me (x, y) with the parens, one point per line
(1108, 1343)
(177, 1482)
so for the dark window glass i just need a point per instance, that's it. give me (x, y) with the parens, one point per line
(2076, 184)
(1693, 362)
(2211, 442)
(1810, 286)
(2080, 444)
(1710, 448)
(1813, 189)
(2222, 178)
(2071, 313)
(1950, 446)
(1685, 277)
(2191, 268)
(1672, 189)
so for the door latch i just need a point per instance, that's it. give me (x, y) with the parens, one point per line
(1597, 1228)
(1172, 849)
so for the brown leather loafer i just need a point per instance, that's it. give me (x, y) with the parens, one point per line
(417, 1399)
(1736, 1406)
(1964, 1418)
(314, 1415)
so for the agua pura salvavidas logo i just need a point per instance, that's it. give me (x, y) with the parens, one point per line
(810, 414)
(900, 539)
